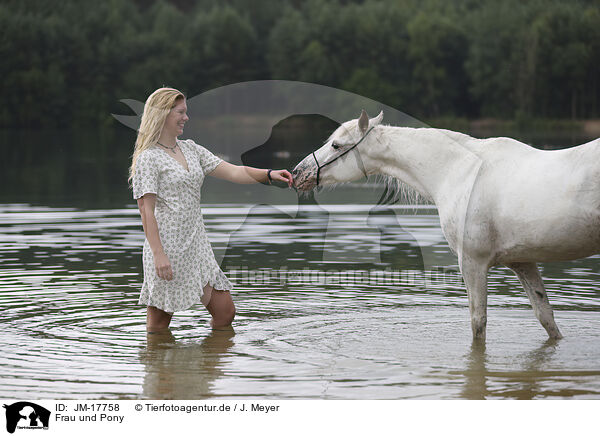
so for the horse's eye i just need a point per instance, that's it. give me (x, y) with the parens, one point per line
(335, 146)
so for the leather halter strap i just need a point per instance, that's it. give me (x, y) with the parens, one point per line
(338, 156)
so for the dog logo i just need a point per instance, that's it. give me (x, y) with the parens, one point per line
(24, 414)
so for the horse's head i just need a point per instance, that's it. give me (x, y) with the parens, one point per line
(346, 156)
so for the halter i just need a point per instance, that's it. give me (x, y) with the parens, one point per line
(338, 156)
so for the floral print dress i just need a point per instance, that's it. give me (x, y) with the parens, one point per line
(180, 226)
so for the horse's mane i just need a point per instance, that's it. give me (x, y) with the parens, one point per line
(394, 190)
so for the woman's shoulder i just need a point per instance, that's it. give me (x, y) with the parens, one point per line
(193, 144)
(148, 155)
(150, 151)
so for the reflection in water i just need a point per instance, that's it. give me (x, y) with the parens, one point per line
(533, 380)
(475, 385)
(183, 371)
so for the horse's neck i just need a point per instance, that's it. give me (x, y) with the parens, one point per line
(430, 160)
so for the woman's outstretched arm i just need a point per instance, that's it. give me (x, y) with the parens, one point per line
(244, 174)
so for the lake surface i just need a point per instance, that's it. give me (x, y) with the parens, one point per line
(334, 301)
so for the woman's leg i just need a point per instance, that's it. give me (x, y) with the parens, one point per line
(220, 306)
(157, 319)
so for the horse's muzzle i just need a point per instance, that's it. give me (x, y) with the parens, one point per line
(304, 176)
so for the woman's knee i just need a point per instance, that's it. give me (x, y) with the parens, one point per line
(157, 319)
(229, 311)
(224, 303)
(221, 307)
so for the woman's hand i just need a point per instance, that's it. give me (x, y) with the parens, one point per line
(163, 266)
(283, 176)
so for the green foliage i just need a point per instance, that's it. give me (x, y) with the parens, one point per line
(70, 62)
(286, 41)
(228, 36)
(437, 55)
(537, 58)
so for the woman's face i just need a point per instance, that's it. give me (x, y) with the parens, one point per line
(177, 118)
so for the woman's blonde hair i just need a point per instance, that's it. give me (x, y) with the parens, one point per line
(156, 109)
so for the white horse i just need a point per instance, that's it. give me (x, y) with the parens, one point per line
(500, 201)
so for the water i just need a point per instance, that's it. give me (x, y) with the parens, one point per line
(72, 329)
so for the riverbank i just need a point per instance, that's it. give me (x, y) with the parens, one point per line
(485, 126)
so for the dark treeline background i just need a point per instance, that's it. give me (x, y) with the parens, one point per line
(69, 62)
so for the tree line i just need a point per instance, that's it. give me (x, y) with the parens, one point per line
(69, 63)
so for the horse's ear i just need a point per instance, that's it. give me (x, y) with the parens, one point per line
(377, 120)
(363, 121)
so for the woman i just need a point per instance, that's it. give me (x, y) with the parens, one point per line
(179, 266)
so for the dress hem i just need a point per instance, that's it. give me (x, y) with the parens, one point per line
(147, 301)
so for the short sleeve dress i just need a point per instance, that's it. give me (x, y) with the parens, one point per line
(180, 226)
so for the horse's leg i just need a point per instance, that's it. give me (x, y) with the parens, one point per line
(530, 278)
(475, 277)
